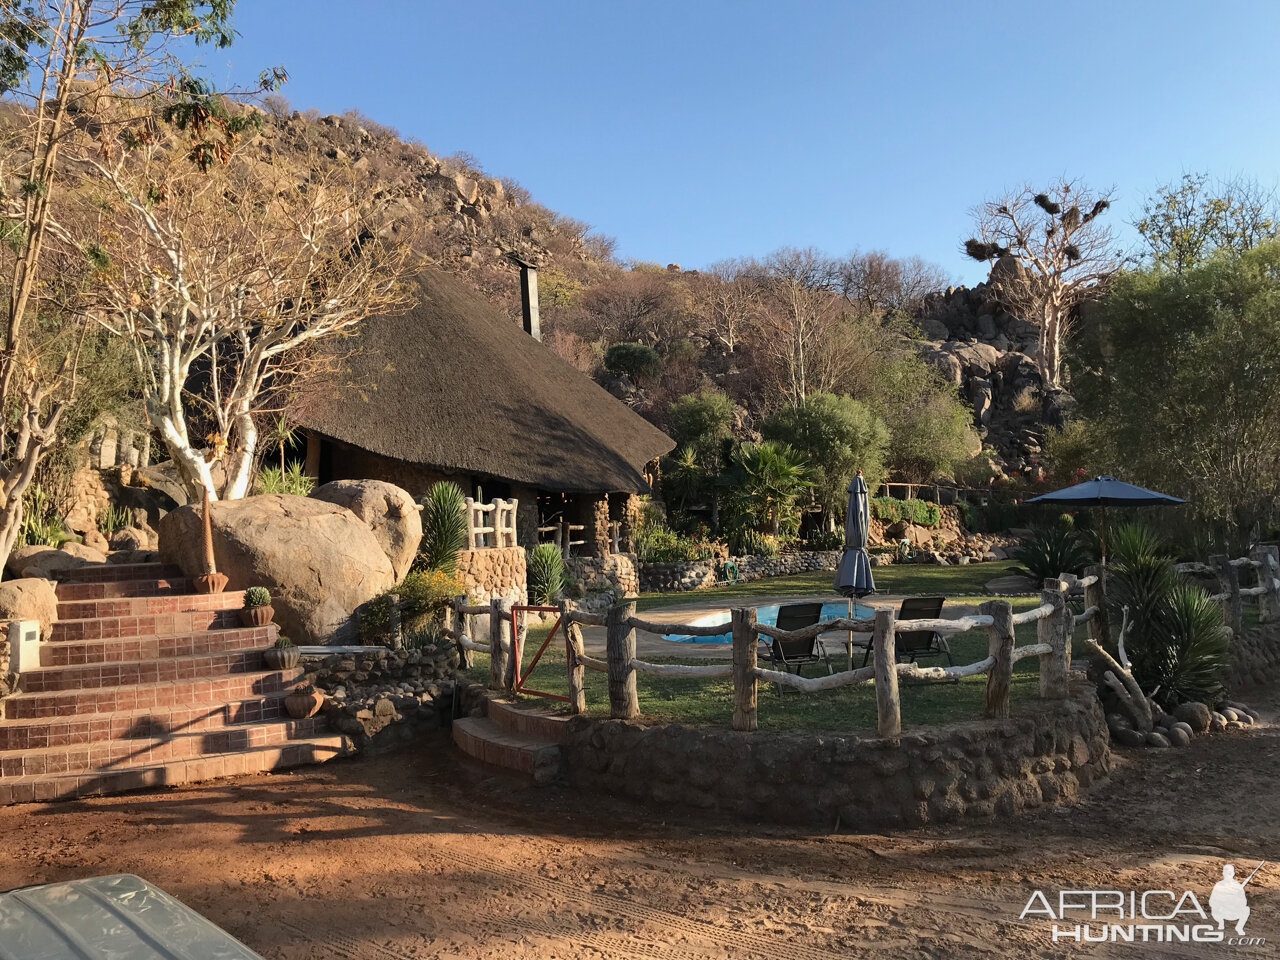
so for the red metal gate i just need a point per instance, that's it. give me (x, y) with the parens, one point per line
(522, 675)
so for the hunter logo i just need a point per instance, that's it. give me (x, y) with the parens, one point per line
(1149, 916)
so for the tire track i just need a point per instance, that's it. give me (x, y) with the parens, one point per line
(767, 947)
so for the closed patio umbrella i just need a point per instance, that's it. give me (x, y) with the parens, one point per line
(1103, 491)
(853, 575)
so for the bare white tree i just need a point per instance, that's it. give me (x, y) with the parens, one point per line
(1051, 252)
(221, 279)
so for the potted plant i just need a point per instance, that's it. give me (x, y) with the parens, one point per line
(211, 581)
(305, 701)
(257, 610)
(283, 655)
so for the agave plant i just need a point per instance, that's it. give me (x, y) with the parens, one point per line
(1178, 641)
(444, 527)
(545, 573)
(1051, 551)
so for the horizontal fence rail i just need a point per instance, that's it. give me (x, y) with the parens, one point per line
(1054, 618)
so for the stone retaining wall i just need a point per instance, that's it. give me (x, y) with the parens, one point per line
(1045, 754)
(695, 575)
(493, 572)
(602, 581)
(1254, 657)
(8, 681)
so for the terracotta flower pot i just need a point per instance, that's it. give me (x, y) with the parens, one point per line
(281, 658)
(258, 616)
(301, 705)
(209, 582)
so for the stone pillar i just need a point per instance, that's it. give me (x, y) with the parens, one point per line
(526, 515)
(629, 517)
(598, 542)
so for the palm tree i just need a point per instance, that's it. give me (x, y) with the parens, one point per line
(282, 433)
(769, 479)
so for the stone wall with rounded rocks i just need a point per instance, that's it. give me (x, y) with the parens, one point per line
(493, 572)
(598, 582)
(677, 576)
(1254, 657)
(1047, 753)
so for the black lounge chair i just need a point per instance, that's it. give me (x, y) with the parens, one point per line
(796, 653)
(913, 644)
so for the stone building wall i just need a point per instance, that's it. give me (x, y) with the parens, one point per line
(602, 581)
(494, 572)
(1045, 754)
(704, 573)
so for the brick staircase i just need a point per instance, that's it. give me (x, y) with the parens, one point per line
(521, 737)
(145, 683)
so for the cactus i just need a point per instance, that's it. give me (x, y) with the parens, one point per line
(282, 642)
(257, 597)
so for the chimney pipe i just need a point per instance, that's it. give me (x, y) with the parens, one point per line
(529, 299)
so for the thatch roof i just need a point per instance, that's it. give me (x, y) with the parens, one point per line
(455, 385)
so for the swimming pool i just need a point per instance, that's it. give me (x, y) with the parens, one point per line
(830, 611)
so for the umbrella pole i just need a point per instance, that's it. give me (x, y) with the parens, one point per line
(849, 644)
(1104, 534)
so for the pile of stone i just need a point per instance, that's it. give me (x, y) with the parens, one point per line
(1187, 721)
(671, 577)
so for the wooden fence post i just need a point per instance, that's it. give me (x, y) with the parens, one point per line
(518, 631)
(624, 704)
(393, 622)
(1269, 599)
(462, 628)
(1229, 581)
(744, 668)
(888, 707)
(1095, 595)
(498, 650)
(1055, 630)
(575, 653)
(999, 645)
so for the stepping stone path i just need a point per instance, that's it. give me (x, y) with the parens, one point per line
(145, 683)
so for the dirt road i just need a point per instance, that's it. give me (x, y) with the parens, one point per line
(419, 854)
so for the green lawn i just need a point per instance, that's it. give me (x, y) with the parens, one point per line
(956, 582)
(700, 701)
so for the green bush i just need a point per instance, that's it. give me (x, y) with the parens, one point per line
(112, 519)
(633, 360)
(658, 543)
(257, 597)
(41, 525)
(428, 637)
(544, 573)
(444, 527)
(290, 480)
(1177, 639)
(1051, 551)
(423, 595)
(825, 540)
(748, 542)
(919, 512)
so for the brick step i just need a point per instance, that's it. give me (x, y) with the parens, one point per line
(143, 625)
(156, 587)
(110, 755)
(71, 653)
(140, 606)
(484, 740)
(530, 718)
(129, 673)
(210, 692)
(151, 723)
(71, 785)
(113, 572)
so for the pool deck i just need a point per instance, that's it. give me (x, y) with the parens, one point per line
(652, 645)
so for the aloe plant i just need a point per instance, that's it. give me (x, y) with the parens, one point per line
(444, 527)
(545, 573)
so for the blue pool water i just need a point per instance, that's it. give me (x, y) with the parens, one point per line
(830, 611)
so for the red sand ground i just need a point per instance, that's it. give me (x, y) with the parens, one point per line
(421, 854)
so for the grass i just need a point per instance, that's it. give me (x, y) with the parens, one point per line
(956, 582)
(701, 701)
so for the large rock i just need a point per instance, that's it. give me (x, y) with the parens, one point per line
(387, 510)
(30, 598)
(318, 559)
(43, 562)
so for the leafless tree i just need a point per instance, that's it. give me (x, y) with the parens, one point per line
(1050, 252)
(726, 296)
(230, 276)
(876, 282)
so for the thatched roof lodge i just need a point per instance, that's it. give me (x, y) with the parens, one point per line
(454, 390)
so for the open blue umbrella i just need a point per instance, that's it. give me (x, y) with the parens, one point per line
(1104, 491)
(853, 575)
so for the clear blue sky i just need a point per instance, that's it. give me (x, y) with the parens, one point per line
(699, 130)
